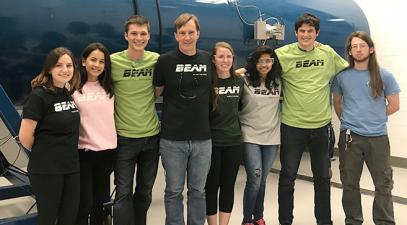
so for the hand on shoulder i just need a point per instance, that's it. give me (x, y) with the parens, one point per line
(241, 71)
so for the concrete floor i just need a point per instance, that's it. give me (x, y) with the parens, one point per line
(304, 194)
(303, 211)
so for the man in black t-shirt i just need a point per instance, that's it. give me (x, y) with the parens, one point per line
(183, 77)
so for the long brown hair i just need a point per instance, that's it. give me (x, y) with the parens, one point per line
(376, 83)
(215, 95)
(45, 78)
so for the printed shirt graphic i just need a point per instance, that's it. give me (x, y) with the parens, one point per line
(260, 114)
(186, 97)
(135, 113)
(362, 113)
(225, 125)
(306, 77)
(96, 108)
(55, 147)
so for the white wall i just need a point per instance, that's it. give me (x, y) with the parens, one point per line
(387, 21)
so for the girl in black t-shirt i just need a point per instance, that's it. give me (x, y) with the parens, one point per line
(50, 129)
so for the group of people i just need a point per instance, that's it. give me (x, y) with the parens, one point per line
(81, 123)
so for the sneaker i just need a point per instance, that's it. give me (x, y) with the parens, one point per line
(260, 222)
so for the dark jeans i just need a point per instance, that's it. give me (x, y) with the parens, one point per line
(96, 167)
(132, 208)
(293, 143)
(57, 197)
(375, 152)
(225, 162)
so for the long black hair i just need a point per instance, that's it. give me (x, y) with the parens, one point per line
(273, 76)
(105, 79)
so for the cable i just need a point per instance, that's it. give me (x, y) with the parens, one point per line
(2, 138)
(4, 172)
(18, 154)
(8, 138)
(11, 167)
(28, 211)
(111, 195)
(17, 157)
(273, 18)
(244, 6)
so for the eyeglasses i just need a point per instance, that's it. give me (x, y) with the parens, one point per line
(266, 61)
(222, 57)
(187, 94)
(359, 46)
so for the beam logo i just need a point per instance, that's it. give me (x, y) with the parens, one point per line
(64, 106)
(309, 63)
(190, 68)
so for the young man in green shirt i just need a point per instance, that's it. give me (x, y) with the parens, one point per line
(306, 116)
(137, 124)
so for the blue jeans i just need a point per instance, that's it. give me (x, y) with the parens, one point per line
(132, 208)
(190, 158)
(258, 160)
(293, 143)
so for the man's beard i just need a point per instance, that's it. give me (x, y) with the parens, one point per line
(361, 60)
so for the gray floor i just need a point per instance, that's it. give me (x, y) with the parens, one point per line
(303, 211)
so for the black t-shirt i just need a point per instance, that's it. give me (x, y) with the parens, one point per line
(186, 96)
(54, 150)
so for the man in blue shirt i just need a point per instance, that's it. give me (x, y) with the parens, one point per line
(364, 96)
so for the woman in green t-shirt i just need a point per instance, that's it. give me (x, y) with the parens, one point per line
(227, 147)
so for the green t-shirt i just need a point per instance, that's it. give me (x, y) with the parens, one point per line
(135, 114)
(225, 126)
(306, 77)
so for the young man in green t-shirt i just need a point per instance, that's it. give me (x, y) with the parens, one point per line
(306, 116)
(137, 124)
